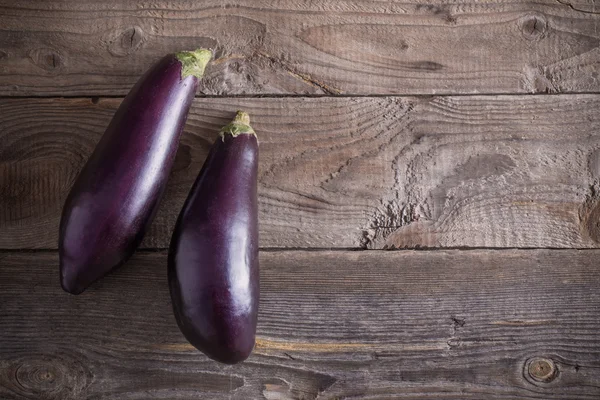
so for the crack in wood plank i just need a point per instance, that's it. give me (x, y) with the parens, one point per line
(572, 7)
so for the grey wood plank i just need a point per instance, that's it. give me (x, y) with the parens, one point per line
(74, 47)
(480, 324)
(481, 171)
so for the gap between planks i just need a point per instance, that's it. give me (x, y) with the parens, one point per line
(315, 96)
(343, 250)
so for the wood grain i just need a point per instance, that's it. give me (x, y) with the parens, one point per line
(497, 171)
(332, 325)
(74, 47)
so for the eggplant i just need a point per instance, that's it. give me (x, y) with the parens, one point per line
(213, 256)
(117, 193)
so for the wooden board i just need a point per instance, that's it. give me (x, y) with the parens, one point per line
(505, 171)
(74, 47)
(333, 325)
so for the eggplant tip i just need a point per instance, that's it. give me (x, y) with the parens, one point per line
(194, 62)
(229, 358)
(70, 281)
(71, 287)
(239, 125)
(242, 117)
(231, 348)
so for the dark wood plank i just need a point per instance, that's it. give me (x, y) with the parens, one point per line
(333, 325)
(74, 47)
(507, 171)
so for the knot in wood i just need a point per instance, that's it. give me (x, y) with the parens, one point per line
(591, 219)
(123, 43)
(533, 27)
(542, 370)
(52, 377)
(39, 376)
(589, 213)
(47, 59)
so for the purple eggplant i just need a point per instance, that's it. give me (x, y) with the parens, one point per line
(213, 257)
(116, 195)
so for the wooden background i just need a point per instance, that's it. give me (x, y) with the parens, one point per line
(465, 135)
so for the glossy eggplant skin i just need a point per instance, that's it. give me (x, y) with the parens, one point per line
(117, 194)
(213, 258)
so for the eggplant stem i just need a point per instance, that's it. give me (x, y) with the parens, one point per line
(193, 62)
(239, 125)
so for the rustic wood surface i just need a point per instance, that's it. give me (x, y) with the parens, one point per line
(74, 47)
(480, 324)
(382, 125)
(492, 171)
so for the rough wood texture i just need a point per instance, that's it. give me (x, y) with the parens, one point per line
(76, 47)
(476, 324)
(506, 171)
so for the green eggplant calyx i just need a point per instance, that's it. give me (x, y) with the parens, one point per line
(193, 62)
(239, 125)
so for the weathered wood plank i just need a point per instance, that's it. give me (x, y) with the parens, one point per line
(346, 173)
(76, 47)
(333, 325)
(507, 171)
